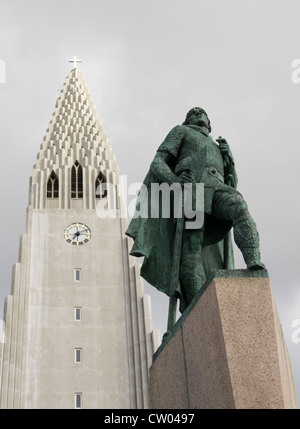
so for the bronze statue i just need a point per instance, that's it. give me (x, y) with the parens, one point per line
(200, 251)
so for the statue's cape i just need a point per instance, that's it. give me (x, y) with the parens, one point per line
(154, 240)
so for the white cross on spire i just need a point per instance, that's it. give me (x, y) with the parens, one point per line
(75, 60)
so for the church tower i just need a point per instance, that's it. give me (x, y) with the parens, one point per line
(78, 327)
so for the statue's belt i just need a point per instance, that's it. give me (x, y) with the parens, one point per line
(214, 172)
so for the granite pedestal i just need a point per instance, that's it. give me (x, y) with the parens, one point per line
(226, 351)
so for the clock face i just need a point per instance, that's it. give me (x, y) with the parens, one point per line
(77, 233)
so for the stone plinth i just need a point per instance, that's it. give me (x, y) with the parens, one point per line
(226, 351)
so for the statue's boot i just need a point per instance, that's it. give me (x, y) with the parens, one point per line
(192, 276)
(246, 238)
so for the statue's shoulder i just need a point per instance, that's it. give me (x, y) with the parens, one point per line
(178, 130)
(176, 134)
(173, 140)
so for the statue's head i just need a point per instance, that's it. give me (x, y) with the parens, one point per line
(194, 117)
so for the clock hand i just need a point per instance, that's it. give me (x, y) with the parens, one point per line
(78, 233)
(83, 232)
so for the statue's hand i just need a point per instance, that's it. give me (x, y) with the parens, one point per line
(226, 152)
(186, 177)
(224, 147)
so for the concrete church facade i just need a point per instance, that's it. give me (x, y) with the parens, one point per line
(78, 327)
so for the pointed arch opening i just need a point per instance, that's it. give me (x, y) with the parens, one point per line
(101, 186)
(76, 181)
(52, 186)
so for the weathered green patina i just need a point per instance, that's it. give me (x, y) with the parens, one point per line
(178, 261)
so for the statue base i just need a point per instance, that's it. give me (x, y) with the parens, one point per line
(226, 351)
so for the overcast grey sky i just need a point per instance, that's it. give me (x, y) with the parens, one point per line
(146, 63)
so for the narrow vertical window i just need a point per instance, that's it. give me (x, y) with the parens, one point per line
(73, 182)
(78, 400)
(77, 274)
(78, 355)
(52, 186)
(76, 181)
(100, 186)
(79, 182)
(77, 313)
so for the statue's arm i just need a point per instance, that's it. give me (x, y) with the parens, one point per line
(230, 176)
(166, 156)
(160, 166)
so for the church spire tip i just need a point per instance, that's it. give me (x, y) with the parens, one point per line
(75, 60)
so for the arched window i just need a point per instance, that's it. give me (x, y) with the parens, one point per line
(100, 186)
(52, 186)
(76, 181)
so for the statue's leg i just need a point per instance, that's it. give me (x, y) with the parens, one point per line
(232, 206)
(191, 273)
